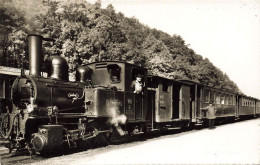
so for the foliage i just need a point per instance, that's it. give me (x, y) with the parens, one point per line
(11, 37)
(85, 33)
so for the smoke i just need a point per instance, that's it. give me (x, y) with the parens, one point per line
(116, 118)
(30, 9)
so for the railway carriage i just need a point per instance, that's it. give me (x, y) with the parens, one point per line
(201, 95)
(169, 103)
(246, 106)
(224, 102)
(257, 107)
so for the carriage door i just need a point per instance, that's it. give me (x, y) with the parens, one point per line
(184, 103)
(198, 101)
(175, 101)
(150, 115)
(193, 103)
(138, 106)
(138, 87)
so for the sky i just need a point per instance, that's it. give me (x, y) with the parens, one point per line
(226, 32)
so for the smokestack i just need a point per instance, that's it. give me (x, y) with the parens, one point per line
(35, 54)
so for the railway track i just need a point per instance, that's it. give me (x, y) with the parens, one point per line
(23, 157)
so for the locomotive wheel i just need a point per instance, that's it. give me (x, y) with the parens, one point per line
(5, 125)
(102, 139)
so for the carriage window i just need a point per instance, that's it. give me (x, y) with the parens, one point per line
(227, 99)
(114, 71)
(218, 98)
(230, 100)
(234, 100)
(206, 96)
(138, 80)
(222, 99)
(165, 87)
(213, 97)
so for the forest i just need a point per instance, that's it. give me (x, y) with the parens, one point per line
(85, 33)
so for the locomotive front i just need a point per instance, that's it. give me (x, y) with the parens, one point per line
(43, 107)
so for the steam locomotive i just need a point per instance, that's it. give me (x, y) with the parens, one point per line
(51, 112)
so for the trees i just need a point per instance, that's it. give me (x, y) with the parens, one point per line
(84, 33)
(11, 36)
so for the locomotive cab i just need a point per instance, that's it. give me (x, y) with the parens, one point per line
(117, 74)
(113, 95)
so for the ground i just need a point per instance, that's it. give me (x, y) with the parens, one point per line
(237, 143)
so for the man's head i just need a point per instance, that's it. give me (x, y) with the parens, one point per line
(139, 77)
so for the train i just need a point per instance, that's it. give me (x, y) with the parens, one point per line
(107, 99)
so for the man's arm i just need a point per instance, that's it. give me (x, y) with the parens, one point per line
(205, 108)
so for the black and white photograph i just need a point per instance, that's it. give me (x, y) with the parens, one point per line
(129, 82)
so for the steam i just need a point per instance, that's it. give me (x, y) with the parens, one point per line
(115, 117)
(32, 9)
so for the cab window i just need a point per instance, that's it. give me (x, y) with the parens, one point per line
(114, 73)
